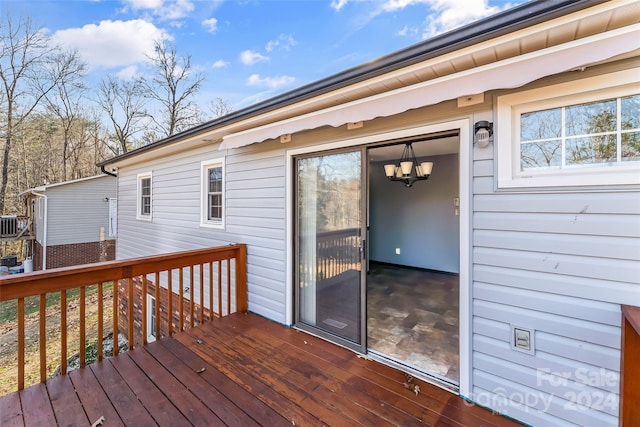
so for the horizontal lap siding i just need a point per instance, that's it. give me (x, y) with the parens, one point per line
(255, 215)
(560, 263)
(77, 210)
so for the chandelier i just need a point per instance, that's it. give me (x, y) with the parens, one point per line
(405, 172)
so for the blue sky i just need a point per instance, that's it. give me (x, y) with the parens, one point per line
(249, 50)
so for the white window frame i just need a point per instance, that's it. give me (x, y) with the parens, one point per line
(139, 178)
(151, 314)
(204, 193)
(510, 107)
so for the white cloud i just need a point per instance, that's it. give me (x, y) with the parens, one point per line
(211, 24)
(220, 64)
(442, 15)
(112, 43)
(128, 73)
(338, 4)
(284, 42)
(164, 9)
(249, 57)
(450, 14)
(144, 4)
(271, 82)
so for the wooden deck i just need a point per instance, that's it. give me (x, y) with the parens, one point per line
(241, 370)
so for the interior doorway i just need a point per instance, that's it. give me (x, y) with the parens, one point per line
(413, 264)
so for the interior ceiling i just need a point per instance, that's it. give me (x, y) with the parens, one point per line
(433, 147)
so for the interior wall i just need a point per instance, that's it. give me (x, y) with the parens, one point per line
(420, 220)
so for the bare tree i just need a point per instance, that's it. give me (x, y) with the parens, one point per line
(24, 52)
(65, 100)
(219, 107)
(174, 86)
(124, 103)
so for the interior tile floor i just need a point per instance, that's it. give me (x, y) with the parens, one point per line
(413, 317)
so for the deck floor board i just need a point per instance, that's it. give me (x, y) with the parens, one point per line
(11, 410)
(94, 400)
(241, 370)
(65, 402)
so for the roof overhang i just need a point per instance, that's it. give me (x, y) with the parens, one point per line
(506, 74)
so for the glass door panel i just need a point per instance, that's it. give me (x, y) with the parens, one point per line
(329, 245)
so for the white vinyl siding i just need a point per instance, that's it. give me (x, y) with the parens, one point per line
(212, 196)
(255, 215)
(560, 263)
(78, 211)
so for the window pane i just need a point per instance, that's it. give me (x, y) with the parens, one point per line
(594, 117)
(546, 124)
(631, 147)
(145, 186)
(215, 206)
(630, 106)
(216, 212)
(541, 155)
(215, 179)
(591, 150)
(145, 206)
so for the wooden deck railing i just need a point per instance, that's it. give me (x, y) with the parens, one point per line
(337, 251)
(15, 227)
(215, 279)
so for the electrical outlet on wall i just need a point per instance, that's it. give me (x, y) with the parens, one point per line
(397, 251)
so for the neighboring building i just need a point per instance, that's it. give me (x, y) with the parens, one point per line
(74, 222)
(528, 229)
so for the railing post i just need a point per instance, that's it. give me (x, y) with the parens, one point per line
(241, 279)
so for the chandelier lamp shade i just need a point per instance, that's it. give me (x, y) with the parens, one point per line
(407, 170)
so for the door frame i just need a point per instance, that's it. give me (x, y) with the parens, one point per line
(463, 125)
(360, 346)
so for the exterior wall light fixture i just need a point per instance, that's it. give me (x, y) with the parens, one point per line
(483, 132)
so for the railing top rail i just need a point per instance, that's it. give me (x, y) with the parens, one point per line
(30, 284)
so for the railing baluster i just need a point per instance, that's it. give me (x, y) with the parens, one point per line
(100, 320)
(157, 307)
(210, 291)
(201, 293)
(43, 337)
(20, 343)
(83, 336)
(114, 296)
(219, 288)
(181, 300)
(63, 331)
(145, 289)
(130, 312)
(191, 296)
(169, 302)
(228, 285)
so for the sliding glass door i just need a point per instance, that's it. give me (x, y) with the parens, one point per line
(329, 244)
